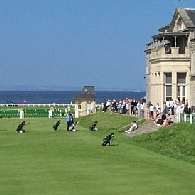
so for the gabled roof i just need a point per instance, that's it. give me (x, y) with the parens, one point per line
(88, 92)
(187, 15)
(191, 15)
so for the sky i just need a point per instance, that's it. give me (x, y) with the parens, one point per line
(67, 44)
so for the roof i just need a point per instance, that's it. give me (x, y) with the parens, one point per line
(166, 34)
(191, 14)
(187, 15)
(87, 92)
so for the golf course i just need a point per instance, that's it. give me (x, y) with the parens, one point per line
(42, 161)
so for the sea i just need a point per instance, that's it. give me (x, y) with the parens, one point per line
(62, 97)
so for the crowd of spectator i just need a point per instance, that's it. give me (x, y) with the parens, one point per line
(170, 112)
(124, 106)
(166, 115)
(162, 116)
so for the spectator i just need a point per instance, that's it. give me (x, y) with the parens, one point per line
(151, 111)
(133, 127)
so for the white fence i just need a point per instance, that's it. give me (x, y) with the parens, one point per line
(187, 117)
(36, 105)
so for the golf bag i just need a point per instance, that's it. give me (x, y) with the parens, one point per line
(20, 127)
(107, 140)
(55, 127)
(72, 127)
(93, 127)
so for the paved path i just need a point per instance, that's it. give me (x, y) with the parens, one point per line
(146, 127)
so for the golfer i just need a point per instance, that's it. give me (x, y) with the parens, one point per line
(69, 121)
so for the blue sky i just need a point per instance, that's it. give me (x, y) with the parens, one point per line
(66, 44)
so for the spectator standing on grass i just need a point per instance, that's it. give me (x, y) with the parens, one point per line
(104, 107)
(151, 111)
(171, 103)
(141, 110)
(124, 110)
(132, 107)
(138, 108)
(166, 109)
(186, 110)
(135, 108)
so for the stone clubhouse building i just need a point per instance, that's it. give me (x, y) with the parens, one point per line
(170, 60)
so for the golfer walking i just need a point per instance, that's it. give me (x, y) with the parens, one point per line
(69, 121)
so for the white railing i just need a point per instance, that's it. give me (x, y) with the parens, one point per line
(188, 117)
(36, 105)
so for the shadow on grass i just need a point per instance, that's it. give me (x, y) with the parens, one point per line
(115, 144)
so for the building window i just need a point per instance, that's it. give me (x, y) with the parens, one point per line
(168, 78)
(181, 86)
(169, 90)
(181, 92)
(168, 86)
(181, 78)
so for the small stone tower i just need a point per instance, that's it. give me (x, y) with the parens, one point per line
(85, 102)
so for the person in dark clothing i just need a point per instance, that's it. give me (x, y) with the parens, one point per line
(159, 122)
(186, 110)
(132, 107)
(104, 107)
(163, 116)
(69, 121)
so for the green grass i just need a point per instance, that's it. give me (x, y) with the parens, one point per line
(42, 161)
(109, 121)
(177, 141)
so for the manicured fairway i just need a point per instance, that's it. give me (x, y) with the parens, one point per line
(44, 162)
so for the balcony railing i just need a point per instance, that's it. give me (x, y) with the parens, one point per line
(173, 52)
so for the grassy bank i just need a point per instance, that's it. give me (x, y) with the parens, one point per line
(42, 161)
(177, 141)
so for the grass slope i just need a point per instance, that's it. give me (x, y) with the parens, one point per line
(42, 161)
(177, 141)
